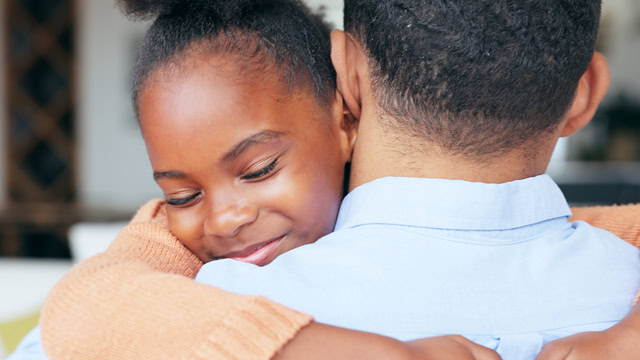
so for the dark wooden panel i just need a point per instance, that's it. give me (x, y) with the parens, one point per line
(40, 127)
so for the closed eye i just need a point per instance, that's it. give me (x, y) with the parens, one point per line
(182, 201)
(262, 172)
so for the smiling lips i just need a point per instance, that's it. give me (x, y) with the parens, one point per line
(257, 254)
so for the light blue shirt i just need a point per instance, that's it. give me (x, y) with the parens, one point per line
(410, 258)
(414, 257)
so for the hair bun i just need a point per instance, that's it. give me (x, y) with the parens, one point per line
(149, 9)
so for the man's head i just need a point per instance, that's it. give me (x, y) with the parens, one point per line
(476, 78)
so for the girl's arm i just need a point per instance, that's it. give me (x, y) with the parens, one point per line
(138, 301)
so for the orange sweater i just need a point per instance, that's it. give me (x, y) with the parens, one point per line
(138, 300)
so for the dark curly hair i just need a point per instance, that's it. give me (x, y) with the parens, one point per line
(283, 36)
(476, 77)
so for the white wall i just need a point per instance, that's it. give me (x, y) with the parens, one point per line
(621, 21)
(113, 168)
(333, 10)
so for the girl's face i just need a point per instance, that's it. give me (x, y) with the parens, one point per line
(248, 171)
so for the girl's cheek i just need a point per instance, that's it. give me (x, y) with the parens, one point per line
(186, 228)
(325, 201)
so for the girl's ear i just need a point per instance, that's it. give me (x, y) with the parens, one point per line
(344, 55)
(591, 89)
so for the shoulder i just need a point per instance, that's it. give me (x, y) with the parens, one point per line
(623, 221)
(604, 259)
(603, 238)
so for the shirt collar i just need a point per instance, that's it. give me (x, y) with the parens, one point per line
(453, 204)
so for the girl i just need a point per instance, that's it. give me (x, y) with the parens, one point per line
(248, 139)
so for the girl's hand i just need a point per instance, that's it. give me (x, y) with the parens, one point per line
(616, 343)
(589, 345)
(619, 342)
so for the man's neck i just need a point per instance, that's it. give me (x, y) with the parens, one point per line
(380, 152)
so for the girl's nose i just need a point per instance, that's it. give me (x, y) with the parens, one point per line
(227, 221)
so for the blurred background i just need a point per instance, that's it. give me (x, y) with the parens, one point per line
(73, 166)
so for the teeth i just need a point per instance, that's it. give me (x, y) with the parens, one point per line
(260, 247)
(264, 245)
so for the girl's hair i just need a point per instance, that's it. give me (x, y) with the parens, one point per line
(279, 36)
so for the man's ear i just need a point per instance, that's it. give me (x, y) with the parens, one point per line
(592, 87)
(344, 55)
(350, 127)
(346, 125)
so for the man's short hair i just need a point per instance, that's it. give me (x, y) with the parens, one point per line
(476, 77)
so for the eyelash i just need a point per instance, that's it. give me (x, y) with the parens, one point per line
(183, 201)
(262, 172)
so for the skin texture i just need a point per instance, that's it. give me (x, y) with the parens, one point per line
(243, 163)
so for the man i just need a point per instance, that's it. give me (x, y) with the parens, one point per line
(460, 106)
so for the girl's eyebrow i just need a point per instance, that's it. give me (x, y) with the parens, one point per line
(258, 138)
(159, 175)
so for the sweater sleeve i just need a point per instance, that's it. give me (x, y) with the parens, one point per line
(138, 300)
(623, 221)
